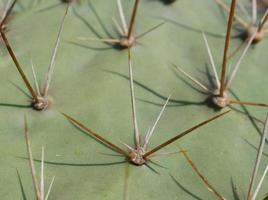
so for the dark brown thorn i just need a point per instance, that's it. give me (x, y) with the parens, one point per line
(203, 178)
(244, 24)
(97, 136)
(23, 76)
(133, 17)
(248, 103)
(227, 43)
(8, 13)
(182, 134)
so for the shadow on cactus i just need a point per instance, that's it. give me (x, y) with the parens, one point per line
(60, 2)
(175, 102)
(166, 2)
(70, 1)
(39, 99)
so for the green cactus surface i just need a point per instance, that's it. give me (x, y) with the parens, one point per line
(91, 84)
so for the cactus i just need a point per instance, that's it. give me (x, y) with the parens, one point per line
(39, 100)
(252, 194)
(219, 94)
(38, 188)
(126, 36)
(91, 83)
(250, 27)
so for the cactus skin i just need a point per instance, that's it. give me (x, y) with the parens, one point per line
(89, 83)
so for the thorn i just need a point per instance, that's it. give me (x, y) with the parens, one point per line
(263, 21)
(148, 136)
(237, 50)
(122, 17)
(126, 182)
(203, 178)
(183, 134)
(50, 187)
(254, 11)
(232, 76)
(31, 162)
(35, 79)
(118, 27)
(7, 13)
(133, 17)
(164, 154)
(260, 184)
(21, 185)
(258, 159)
(227, 43)
(53, 57)
(22, 74)
(129, 147)
(248, 103)
(133, 102)
(111, 41)
(42, 185)
(150, 30)
(95, 135)
(212, 63)
(193, 79)
(238, 19)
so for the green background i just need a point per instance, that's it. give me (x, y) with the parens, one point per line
(90, 84)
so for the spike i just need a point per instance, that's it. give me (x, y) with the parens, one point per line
(212, 63)
(248, 103)
(22, 74)
(258, 159)
(227, 43)
(238, 19)
(49, 188)
(183, 134)
(7, 13)
(53, 57)
(95, 135)
(133, 17)
(149, 30)
(251, 39)
(31, 162)
(122, 16)
(148, 136)
(193, 79)
(133, 102)
(260, 184)
(203, 178)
